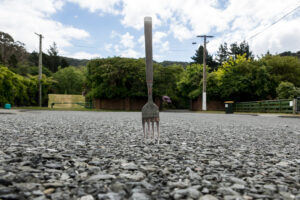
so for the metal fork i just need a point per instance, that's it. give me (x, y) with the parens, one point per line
(150, 111)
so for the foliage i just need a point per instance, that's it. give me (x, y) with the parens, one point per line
(243, 80)
(189, 85)
(11, 51)
(124, 77)
(235, 49)
(198, 58)
(116, 78)
(69, 80)
(18, 90)
(286, 68)
(287, 90)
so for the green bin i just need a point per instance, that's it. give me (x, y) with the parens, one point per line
(228, 107)
(7, 106)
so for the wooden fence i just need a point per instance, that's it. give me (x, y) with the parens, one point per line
(268, 106)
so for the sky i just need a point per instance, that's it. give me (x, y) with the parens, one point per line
(107, 28)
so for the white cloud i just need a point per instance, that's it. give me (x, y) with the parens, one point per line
(234, 23)
(22, 19)
(158, 36)
(98, 5)
(108, 47)
(164, 47)
(127, 40)
(84, 55)
(130, 53)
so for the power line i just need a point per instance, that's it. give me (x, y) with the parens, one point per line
(274, 22)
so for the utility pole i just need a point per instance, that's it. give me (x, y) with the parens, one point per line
(40, 70)
(204, 71)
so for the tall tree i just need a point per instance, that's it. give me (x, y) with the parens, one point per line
(222, 54)
(11, 51)
(240, 49)
(198, 58)
(54, 60)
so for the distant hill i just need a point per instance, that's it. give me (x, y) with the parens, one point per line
(76, 62)
(289, 53)
(167, 62)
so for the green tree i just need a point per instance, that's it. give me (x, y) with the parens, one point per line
(287, 90)
(53, 59)
(240, 49)
(64, 63)
(242, 79)
(21, 91)
(198, 58)
(69, 80)
(189, 85)
(222, 54)
(283, 68)
(116, 78)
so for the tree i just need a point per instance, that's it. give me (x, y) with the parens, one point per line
(222, 54)
(189, 85)
(116, 78)
(53, 59)
(287, 90)
(240, 49)
(11, 52)
(64, 63)
(283, 68)
(69, 80)
(234, 50)
(242, 79)
(198, 58)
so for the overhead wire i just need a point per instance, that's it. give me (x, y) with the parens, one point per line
(275, 22)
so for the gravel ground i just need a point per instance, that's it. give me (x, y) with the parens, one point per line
(99, 155)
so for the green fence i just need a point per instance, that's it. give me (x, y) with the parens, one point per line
(269, 106)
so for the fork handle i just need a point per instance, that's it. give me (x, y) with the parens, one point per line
(148, 52)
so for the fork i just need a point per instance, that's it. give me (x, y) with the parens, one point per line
(150, 111)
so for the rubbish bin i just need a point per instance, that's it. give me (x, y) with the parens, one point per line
(7, 106)
(228, 107)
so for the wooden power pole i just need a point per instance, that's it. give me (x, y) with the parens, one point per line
(40, 69)
(204, 71)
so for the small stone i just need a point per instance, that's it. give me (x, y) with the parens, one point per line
(237, 180)
(238, 187)
(110, 196)
(87, 197)
(214, 163)
(271, 188)
(49, 190)
(101, 177)
(208, 197)
(205, 191)
(137, 176)
(37, 192)
(283, 164)
(54, 184)
(129, 166)
(64, 176)
(140, 196)
(226, 191)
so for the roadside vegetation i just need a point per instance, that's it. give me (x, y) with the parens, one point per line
(234, 74)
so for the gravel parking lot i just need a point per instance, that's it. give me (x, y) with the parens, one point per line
(99, 155)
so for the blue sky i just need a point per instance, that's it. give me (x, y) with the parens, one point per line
(107, 28)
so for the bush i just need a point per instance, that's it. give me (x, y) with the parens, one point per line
(287, 90)
(21, 91)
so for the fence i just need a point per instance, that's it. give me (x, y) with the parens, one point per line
(268, 106)
(80, 104)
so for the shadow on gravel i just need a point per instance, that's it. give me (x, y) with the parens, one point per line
(6, 113)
